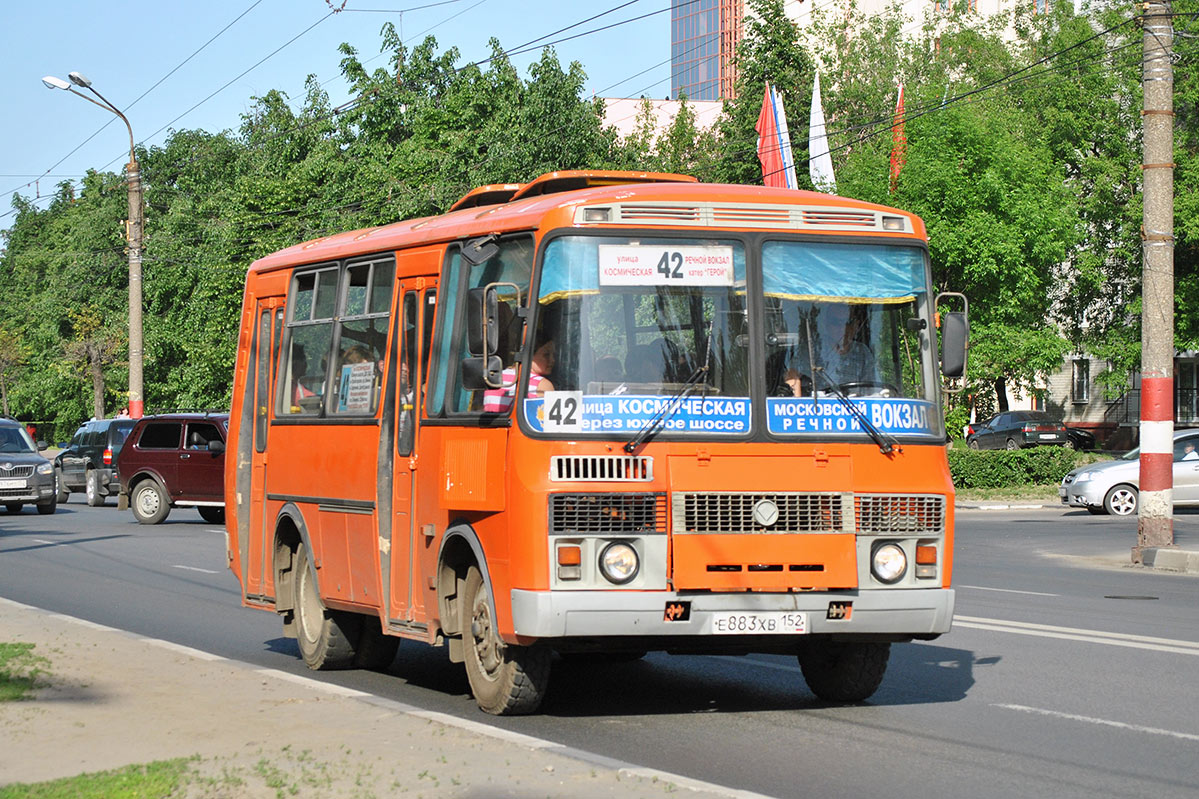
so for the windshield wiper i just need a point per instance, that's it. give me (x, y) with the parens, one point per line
(886, 444)
(656, 424)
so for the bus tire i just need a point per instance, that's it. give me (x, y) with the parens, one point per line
(844, 672)
(212, 514)
(506, 679)
(149, 503)
(326, 637)
(376, 649)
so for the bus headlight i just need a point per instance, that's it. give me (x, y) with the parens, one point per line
(618, 562)
(888, 563)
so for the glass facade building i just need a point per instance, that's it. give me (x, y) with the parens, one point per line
(703, 35)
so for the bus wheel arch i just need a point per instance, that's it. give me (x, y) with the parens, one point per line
(288, 536)
(460, 550)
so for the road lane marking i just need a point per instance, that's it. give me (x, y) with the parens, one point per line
(1006, 590)
(43, 541)
(1185, 736)
(194, 569)
(1075, 634)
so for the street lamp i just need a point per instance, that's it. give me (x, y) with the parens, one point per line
(133, 235)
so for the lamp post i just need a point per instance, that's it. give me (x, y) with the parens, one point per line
(133, 235)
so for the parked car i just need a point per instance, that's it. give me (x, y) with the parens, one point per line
(25, 475)
(1015, 430)
(1080, 439)
(1113, 486)
(88, 463)
(175, 459)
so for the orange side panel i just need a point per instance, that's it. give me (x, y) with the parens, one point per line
(472, 470)
(765, 562)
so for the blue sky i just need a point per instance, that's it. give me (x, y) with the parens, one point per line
(125, 47)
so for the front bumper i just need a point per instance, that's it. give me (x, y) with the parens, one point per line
(559, 614)
(37, 489)
(1081, 495)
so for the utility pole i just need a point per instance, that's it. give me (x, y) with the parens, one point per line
(133, 236)
(1155, 513)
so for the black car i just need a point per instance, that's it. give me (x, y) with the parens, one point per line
(89, 462)
(1080, 439)
(25, 476)
(1016, 430)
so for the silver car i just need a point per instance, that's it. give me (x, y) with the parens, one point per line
(1112, 486)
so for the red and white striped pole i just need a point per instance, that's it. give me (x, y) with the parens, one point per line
(1155, 515)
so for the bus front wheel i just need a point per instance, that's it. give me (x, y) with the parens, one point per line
(506, 679)
(326, 637)
(844, 672)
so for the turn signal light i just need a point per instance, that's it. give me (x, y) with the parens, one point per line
(570, 560)
(926, 560)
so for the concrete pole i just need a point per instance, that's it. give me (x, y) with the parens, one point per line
(1155, 523)
(136, 400)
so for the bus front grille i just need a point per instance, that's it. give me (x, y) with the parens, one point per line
(601, 468)
(722, 512)
(915, 514)
(614, 514)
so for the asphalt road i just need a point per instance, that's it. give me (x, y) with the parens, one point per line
(1067, 673)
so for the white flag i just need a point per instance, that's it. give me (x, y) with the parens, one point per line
(820, 162)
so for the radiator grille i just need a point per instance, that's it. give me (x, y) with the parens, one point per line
(601, 468)
(733, 512)
(918, 514)
(616, 514)
(16, 471)
(13, 493)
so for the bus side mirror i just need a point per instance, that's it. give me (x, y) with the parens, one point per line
(955, 331)
(482, 321)
(482, 372)
(955, 337)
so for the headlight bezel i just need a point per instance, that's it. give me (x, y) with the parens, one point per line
(611, 575)
(892, 571)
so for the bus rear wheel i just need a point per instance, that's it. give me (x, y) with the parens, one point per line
(326, 637)
(506, 679)
(844, 672)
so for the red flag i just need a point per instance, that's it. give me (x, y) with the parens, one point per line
(899, 143)
(774, 143)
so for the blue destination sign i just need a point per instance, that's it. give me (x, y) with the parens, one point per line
(829, 415)
(574, 412)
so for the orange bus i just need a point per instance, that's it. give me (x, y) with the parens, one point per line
(596, 415)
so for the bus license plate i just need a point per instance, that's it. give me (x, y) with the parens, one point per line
(12, 483)
(776, 622)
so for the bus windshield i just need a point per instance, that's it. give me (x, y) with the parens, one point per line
(623, 323)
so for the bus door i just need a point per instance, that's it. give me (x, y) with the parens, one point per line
(417, 298)
(268, 328)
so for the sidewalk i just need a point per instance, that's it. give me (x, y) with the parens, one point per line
(112, 699)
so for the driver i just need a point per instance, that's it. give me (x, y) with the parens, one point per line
(840, 347)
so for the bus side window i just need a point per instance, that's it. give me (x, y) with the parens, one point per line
(408, 376)
(309, 334)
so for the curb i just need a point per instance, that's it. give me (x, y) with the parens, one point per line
(1170, 559)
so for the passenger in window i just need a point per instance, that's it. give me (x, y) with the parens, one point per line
(499, 400)
(299, 369)
(1189, 453)
(356, 354)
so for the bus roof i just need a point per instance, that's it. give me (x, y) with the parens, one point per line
(637, 200)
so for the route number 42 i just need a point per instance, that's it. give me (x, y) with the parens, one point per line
(562, 411)
(670, 266)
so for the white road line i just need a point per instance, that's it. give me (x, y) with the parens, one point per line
(43, 541)
(1074, 634)
(1006, 590)
(1185, 736)
(194, 569)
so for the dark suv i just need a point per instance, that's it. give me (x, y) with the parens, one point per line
(89, 462)
(173, 459)
(25, 476)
